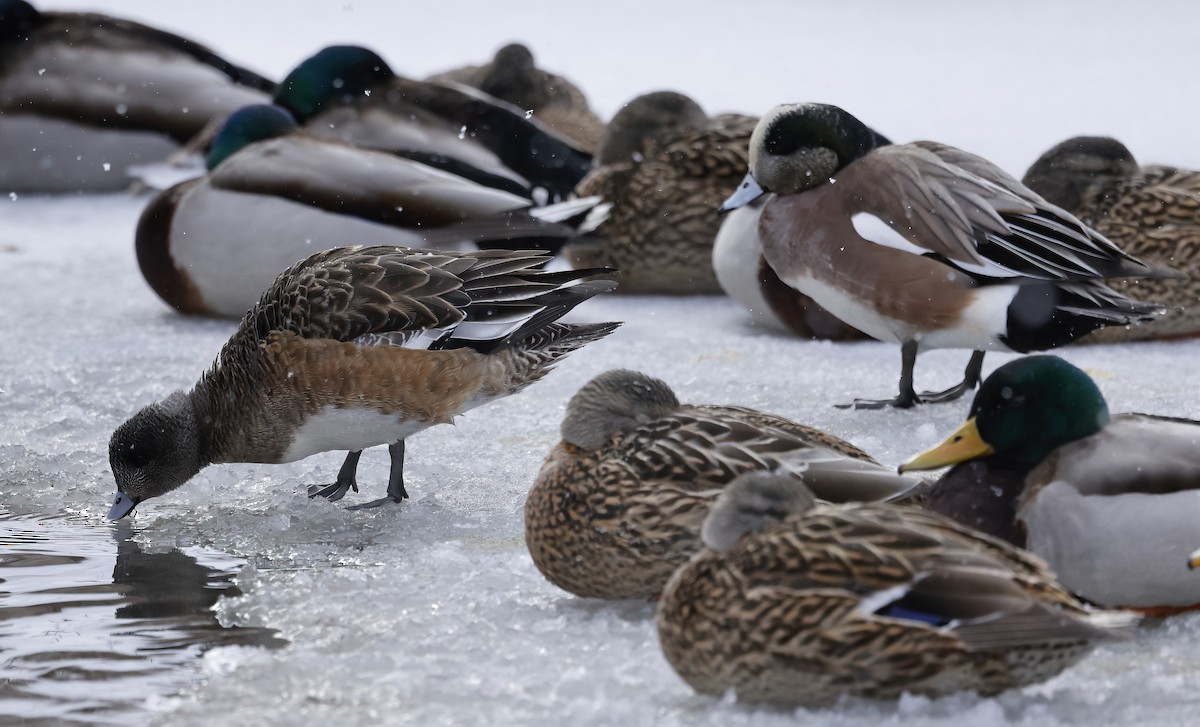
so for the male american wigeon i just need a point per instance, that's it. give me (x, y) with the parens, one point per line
(514, 76)
(84, 96)
(357, 347)
(926, 245)
(274, 195)
(1152, 212)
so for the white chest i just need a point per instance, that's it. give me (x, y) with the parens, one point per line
(348, 429)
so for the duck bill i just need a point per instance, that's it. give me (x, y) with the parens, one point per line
(961, 446)
(122, 506)
(748, 191)
(1194, 560)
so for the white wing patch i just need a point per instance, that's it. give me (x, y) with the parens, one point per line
(873, 229)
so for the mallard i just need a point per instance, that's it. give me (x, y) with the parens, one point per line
(664, 166)
(349, 93)
(1152, 212)
(513, 76)
(1111, 502)
(356, 347)
(85, 96)
(618, 503)
(796, 603)
(925, 245)
(273, 195)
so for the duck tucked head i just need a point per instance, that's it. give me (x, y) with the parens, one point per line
(614, 402)
(1077, 168)
(752, 502)
(246, 126)
(797, 147)
(513, 77)
(17, 18)
(154, 452)
(339, 72)
(645, 117)
(1025, 410)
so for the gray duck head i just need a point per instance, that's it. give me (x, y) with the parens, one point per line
(752, 502)
(648, 116)
(614, 402)
(154, 452)
(1078, 168)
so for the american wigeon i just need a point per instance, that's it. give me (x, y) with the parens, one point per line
(513, 76)
(926, 245)
(1111, 502)
(356, 347)
(211, 245)
(1152, 212)
(349, 93)
(618, 503)
(84, 96)
(798, 603)
(664, 166)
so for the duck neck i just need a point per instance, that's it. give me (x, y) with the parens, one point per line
(983, 494)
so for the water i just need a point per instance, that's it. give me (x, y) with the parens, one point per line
(93, 627)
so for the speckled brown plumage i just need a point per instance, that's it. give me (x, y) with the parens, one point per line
(1152, 213)
(821, 604)
(663, 222)
(615, 521)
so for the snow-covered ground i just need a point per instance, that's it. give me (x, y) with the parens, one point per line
(432, 613)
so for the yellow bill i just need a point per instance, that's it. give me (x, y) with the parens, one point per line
(961, 446)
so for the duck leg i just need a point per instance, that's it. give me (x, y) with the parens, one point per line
(907, 396)
(345, 480)
(969, 382)
(395, 490)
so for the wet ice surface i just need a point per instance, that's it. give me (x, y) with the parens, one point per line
(432, 613)
(92, 625)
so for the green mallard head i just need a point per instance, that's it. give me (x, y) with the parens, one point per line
(17, 18)
(246, 126)
(339, 72)
(1025, 410)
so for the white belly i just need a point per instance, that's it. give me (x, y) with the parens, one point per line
(736, 253)
(1124, 550)
(348, 429)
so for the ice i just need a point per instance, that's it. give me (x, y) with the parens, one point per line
(431, 612)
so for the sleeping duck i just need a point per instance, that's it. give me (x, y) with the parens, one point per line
(85, 96)
(795, 603)
(1152, 212)
(1112, 503)
(273, 195)
(927, 246)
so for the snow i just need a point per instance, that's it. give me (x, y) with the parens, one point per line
(432, 613)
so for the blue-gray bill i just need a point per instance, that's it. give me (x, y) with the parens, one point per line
(122, 506)
(747, 192)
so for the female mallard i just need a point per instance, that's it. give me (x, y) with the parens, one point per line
(664, 166)
(85, 96)
(357, 347)
(925, 245)
(513, 76)
(1151, 212)
(618, 503)
(1111, 503)
(211, 245)
(797, 603)
(349, 93)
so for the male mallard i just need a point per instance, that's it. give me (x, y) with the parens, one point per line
(211, 245)
(797, 603)
(1111, 503)
(349, 93)
(513, 76)
(356, 347)
(925, 245)
(618, 503)
(664, 166)
(1151, 212)
(85, 96)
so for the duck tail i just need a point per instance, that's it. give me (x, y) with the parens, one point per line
(530, 358)
(1046, 315)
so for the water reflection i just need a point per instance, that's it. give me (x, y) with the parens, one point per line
(91, 626)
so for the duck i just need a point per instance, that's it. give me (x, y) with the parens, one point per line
(1109, 501)
(1152, 212)
(275, 194)
(618, 503)
(796, 603)
(926, 245)
(664, 166)
(84, 97)
(514, 76)
(349, 93)
(355, 347)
